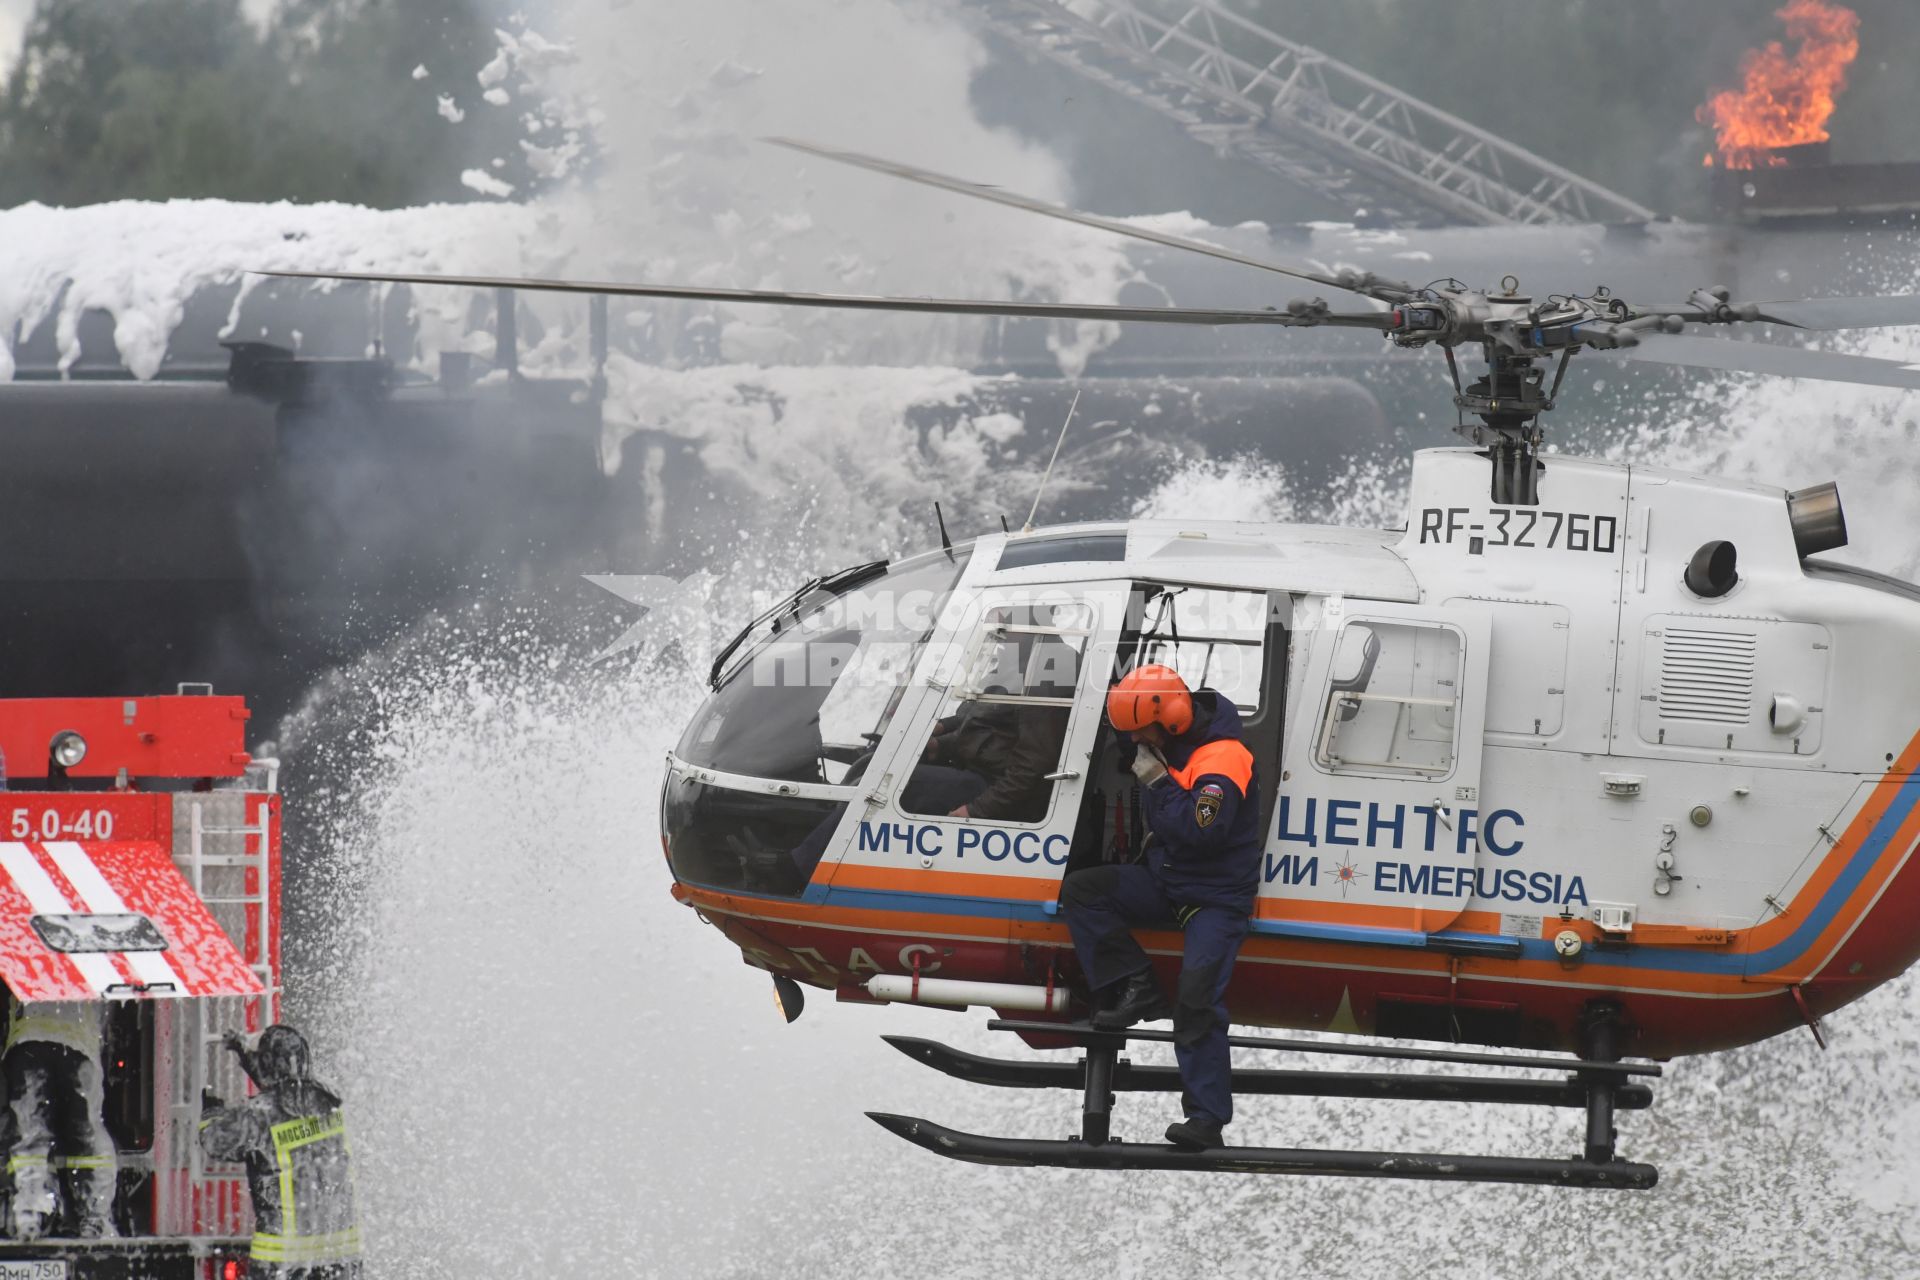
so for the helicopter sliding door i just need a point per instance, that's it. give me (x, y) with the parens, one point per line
(1379, 811)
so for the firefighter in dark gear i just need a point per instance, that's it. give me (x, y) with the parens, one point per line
(1200, 873)
(61, 1164)
(293, 1140)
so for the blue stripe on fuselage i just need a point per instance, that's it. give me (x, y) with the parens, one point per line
(1671, 959)
(1795, 944)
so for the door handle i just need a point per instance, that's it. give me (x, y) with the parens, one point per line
(1065, 775)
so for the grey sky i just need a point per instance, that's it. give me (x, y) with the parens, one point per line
(14, 15)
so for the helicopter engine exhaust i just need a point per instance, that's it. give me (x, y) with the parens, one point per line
(907, 989)
(1819, 523)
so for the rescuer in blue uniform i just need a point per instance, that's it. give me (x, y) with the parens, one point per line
(1201, 870)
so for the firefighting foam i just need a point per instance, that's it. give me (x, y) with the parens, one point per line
(1786, 98)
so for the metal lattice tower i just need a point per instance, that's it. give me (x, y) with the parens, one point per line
(1311, 119)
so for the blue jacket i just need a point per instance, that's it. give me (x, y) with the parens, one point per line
(1205, 813)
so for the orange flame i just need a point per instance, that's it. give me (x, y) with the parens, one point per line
(1786, 100)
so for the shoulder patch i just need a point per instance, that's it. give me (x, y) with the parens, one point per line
(1206, 804)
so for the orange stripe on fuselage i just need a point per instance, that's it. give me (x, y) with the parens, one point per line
(1370, 916)
(1594, 973)
(1853, 910)
(959, 884)
(1285, 951)
(1835, 862)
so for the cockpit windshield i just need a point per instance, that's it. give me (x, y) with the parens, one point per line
(811, 703)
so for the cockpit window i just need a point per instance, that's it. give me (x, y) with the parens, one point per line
(811, 704)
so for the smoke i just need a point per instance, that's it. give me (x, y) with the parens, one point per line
(683, 188)
(13, 26)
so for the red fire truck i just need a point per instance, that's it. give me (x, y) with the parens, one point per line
(140, 866)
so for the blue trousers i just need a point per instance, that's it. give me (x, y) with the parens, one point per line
(1103, 904)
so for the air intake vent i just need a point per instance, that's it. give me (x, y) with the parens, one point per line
(1707, 675)
(1710, 684)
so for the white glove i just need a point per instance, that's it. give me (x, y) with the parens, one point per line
(1148, 767)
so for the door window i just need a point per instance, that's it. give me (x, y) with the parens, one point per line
(1214, 639)
(1391, 702)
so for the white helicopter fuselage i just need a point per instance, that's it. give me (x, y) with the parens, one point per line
(1514, 767)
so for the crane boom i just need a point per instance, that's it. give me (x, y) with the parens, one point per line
(1304, 116)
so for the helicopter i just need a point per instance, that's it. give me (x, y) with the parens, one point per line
(1590, 765)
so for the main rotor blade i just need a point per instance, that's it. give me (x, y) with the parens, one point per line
(1808, 313)
(858, 302)
(1844, 313)
(1364, 283)
(1753, 357)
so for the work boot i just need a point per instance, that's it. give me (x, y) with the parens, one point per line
(1139, 1001)
(1195, 1133)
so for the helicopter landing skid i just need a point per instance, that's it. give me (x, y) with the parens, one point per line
(1599, 1087)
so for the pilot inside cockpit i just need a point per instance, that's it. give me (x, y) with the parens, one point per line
(988, 758)
(989, 762)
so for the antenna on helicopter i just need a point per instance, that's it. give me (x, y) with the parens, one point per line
(1048, 473)
(1003, 523)
(946, 543)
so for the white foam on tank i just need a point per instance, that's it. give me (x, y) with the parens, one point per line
(142, 261)
(830, 456)
(684, 193)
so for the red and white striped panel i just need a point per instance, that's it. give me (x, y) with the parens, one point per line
(65, 877)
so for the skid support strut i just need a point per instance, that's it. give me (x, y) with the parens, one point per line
(1600, 1047)
(1096, 1106)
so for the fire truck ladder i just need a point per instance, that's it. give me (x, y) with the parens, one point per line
(237, 888)
(1309, 118)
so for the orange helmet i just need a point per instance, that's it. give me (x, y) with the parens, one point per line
(1151, 695)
